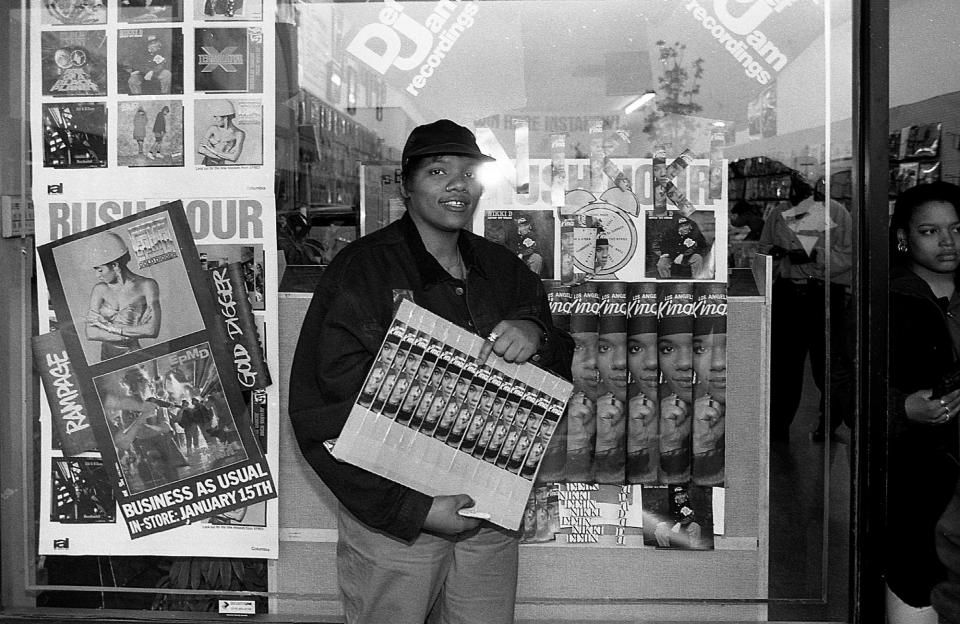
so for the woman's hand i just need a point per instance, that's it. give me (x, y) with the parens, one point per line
(921, 408)
(514, 341)
(444, 516)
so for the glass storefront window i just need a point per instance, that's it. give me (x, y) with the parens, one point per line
(729, 122)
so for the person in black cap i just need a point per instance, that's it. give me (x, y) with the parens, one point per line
(403, 555)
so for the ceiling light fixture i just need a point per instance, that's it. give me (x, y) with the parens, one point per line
(640, 101)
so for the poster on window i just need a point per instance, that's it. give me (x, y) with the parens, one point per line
(629, 219)
(228, 60)
(116, 108)
(155, 379)
(183, 429)
(153, 96)
(73, 63)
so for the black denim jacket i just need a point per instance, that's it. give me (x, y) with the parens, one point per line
(352, 308)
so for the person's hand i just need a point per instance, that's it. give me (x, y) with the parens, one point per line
(443, 517)
(514, 341)
(921, 408)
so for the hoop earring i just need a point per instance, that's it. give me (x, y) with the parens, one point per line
(902, 246)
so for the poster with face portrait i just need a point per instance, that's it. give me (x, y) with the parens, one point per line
(710, 387)
(553, 467)
(643, 405)
(434, 417)
(168, 415)
(610, 452)
(582, 408)
(649, 376)
(675, 350)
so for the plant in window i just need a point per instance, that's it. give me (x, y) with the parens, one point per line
(208, 573)
(671, 121)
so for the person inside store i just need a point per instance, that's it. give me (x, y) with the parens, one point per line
(292, 239)
(796, 236)
(403, 555)
(743, 214)
(922, 425)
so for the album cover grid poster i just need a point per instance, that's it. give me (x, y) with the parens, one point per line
(154, 383)
(94, 68)
(484, 431)
(200, 84)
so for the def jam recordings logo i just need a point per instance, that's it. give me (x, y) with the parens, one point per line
(378, 44)
(227, 59)
(727, 28)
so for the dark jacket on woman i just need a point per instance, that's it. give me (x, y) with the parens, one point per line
(345, 325)
(923, 466)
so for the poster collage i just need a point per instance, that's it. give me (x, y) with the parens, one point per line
(661, 221)
(163, 417)
(647, 415)
(635, 262)
(150, 86)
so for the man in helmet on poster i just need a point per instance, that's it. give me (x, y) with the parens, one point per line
(124, 306)
(222, 142)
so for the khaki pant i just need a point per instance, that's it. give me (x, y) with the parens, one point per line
(470, 579)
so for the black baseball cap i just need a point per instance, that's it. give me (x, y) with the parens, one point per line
(442, 137)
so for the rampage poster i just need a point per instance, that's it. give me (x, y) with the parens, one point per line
(170, 421)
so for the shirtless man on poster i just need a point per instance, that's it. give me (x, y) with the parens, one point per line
(222, 141)
(124, 306)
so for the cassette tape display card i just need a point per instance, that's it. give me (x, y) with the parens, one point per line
(435, 418)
